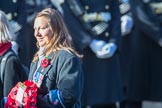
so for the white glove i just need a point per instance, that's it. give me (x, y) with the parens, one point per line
(107, 51)
(96, 45)
(126, 24)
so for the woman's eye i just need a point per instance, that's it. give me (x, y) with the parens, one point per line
(44, 27)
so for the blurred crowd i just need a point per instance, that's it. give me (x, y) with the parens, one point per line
(121, 41)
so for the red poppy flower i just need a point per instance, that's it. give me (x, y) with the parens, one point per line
(29, 96)
(45, 62)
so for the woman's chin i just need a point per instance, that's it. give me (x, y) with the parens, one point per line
(41, 45)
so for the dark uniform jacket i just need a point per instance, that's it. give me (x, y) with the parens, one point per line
(146, 69)
(13, 73)
(102, 76)
(62, 83)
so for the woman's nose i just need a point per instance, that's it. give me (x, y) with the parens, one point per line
(37, 32)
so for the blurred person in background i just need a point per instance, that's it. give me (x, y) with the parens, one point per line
(145, 67)
(15, 11)
(12, 71)
(95, 29)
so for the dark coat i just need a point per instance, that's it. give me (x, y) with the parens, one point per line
(146, 70)
(125, 55)
(13, 73)
(64, 74)
(102, 76)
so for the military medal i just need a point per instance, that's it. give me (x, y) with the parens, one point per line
(38, 77)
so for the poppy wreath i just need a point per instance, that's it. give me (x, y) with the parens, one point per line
(45, 62)
(29, 96)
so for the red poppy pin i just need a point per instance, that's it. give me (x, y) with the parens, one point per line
(45, 62)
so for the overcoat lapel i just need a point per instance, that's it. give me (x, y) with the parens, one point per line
(33, 67)
(43, 70)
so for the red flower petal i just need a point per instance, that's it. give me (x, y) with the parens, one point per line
(31, 91)
(45, 62)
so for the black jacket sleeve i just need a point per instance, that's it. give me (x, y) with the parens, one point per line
(115, 23)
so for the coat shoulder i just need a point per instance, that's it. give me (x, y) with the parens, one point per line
(65, 54)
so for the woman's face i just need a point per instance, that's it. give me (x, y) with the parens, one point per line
(42, 31)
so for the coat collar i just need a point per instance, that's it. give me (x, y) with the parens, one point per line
(40, 69)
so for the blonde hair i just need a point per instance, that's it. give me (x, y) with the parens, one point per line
(6, 33)
(61, 39)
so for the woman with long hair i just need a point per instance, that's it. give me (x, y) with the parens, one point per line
(56, 66)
